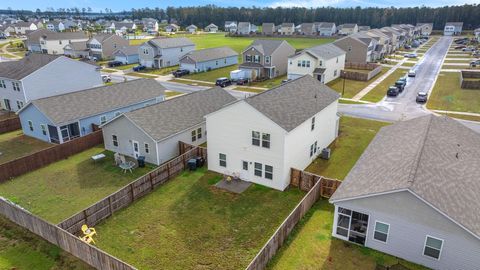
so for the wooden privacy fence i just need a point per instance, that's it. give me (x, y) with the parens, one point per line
(374, 69)
(10, 124)
(317, 187)
(131, 192)
(47, 156)
(63, 239)
(470, 79)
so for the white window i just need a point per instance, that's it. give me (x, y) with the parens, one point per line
(30, 125)
(194, 135)
(117, 114)
(145, 51)
(256, 138)
(216, 62)
(304, 63)
(320, 63)
(115, 140)
(147, 148)
(313, 123)
(199, 133)
(248, 58)
(256, 58)
(222, 159)
(2, 84)
(433, 247)
(16, 86)
(267, 59)
(19, 104)
(308, 63)
(43, 127)
(265, 140)
(299, 63)
(312, 147)
(381, 231)
(103, 119)
(258, 169)
(269, 172)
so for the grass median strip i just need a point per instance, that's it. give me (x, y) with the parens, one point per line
(352, 87)
(379, 91)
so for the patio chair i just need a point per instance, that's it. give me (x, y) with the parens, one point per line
(117, 159)
(88, 231)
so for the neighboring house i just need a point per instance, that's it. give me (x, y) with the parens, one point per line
(266, 58)
(413, 194)
(323, 62)
(394, 37)
(211, 28)
(55, 26)
(268, 28)
(348, 29)
(172, 28)
(32, 43)
(102, 46)
(59, 119)
(76, 50)
(164, 52)
(359, 48)
(363, 28)
(293, 123)
(425, 28)
(22, 27)
(40, 75)
(208, 59)
(244, 28)
(308, 29)
(476, 32)
(54, 42)
(383, 46)
(127, 55)
(150, 25)
(326, 29)
(155, 131)
(7, 30)
(453, 28)
(231, 26)
(287, 29)
(122, 28)
(191, 28)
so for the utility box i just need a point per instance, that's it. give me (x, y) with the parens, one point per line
(326, 153)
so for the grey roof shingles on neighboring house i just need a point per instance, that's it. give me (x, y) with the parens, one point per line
(435, 157)
(266, 46)
(17, 70)
(165, 43)
(101, 37)
(64, 108)
(294, 102)
(34, 36)
(128, 50)
(77, 46)
(172, 116)
(325, 51)
(211, 54)
(64, 35)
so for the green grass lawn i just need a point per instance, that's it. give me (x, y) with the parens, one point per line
(447, 95)
(170, 93)
(159, 71)
(125, 67)
(467, 61)
(213, 75)
(354, 136)
(352, 87)
(247, 89)
(134, 42)
(379, 91)
(189, 224)
(269, 83)
(459, 67)
(21, 249)
(14, 145)
(458, 55)
(108, 70)
(405, 64)
(63, 188)
(207, 84)
(142, 75)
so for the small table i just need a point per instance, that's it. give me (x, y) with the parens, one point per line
(98, 157)
(127, 166)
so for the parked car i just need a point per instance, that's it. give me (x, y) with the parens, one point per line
(139, 68)
(476, 54)
(180, 72)
(106, 78)
(393, 91)
(400, 85)
(422, 97)
(459, 47)
(408, 47)
(114, 63)
(475, 63)
(412, 73)
(411, 55)
(242, 81)
(223, 82)
(468, 49)
(404, 80)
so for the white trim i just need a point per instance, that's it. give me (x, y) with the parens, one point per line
(156, 153)
(374, 230)
(367, 195)
(103, 116)
(425, 245)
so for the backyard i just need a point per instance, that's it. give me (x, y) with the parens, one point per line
(21, 249)
(447, 95)
(14, 145)
(190, 224)
(63, 188)
(352, 87)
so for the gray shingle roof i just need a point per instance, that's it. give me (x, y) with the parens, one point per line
(170, 42)
(23, 24)
(18, 70)
(34, 36)
(266, 46)
(457, 24)
(64, 108)
(129, 50)
(64, 35)
(294, 102)
(326, 25)
(435, 157)
(178, 114)
(348, 25)
(211, 54)
(78, 46)
(101, 37)
(326, 51)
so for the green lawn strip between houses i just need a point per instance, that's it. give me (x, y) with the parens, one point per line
(379, 91)
(21, 249)
(189, 224)
(63, 188)
(447, 95)
(14, 145)
(352, 87)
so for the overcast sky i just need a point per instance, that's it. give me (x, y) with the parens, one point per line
(119, 5)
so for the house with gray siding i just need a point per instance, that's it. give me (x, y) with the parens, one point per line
(359, 48)
(102, 46)
(164, 52)
(76, 50)
(326, 29)
(211, 28)
(230, 26)
(266, 58)
(127, 55)
(156, 130)
(61, 118)
(413, 194)
(453, 28)
(268, 28)
(172, 28)
(40, 75)
(308, 29)
(287, 29)
(32, 43)
(208, 59)
(244, 28)
(191, 28)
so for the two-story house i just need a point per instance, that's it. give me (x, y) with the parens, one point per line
(384, 42)
(54, 42)
(453, 28)
(22, 27)
(230, 26)
(55, 26)
(293, 123)
(326, 29)
(266, 58)
(308, 29)
(61, 118)
(122, 28)
(359, 48)
(102, 46)
(172, 28)
(164, 52)
(425, 28)
(40, 75)
(287, 29)
(268, 29)
(244, 28)
(211, 28)
(150, 25)
(394, 37)
(32, 43)
(323, 62)
(348, 29)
